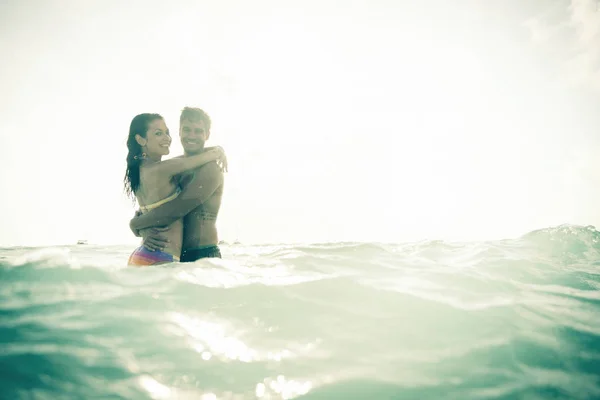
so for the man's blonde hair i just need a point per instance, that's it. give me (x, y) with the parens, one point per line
(195, 114)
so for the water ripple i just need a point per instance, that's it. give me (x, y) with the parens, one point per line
(489, 320)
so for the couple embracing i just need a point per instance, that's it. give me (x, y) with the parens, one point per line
(179, 199)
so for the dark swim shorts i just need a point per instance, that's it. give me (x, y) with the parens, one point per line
(191, 255)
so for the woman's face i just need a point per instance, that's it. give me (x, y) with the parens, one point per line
(157, 140)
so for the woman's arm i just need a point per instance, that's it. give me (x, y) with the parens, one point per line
(176, 166)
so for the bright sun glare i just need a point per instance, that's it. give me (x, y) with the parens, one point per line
(365, 123)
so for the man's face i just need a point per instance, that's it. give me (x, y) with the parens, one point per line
(193, 135)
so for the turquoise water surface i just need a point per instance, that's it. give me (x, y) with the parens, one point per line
(510, 319)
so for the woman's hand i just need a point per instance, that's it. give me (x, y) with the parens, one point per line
(222, 160)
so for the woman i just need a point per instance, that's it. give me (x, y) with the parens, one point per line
(154, 182)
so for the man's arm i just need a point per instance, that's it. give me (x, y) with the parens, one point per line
(203, 184)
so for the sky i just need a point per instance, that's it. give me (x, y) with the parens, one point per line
(342, 120)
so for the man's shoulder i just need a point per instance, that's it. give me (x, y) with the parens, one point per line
(210, 169)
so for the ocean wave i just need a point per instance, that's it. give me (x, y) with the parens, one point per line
(503, 319)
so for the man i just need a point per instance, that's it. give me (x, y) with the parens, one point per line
(198, 203)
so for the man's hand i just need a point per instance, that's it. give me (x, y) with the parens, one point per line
(154, 240)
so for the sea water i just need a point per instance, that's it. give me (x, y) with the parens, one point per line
(510, 319)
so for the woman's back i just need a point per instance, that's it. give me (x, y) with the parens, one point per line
(154, 189)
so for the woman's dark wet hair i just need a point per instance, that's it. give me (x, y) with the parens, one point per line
(139, 126)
